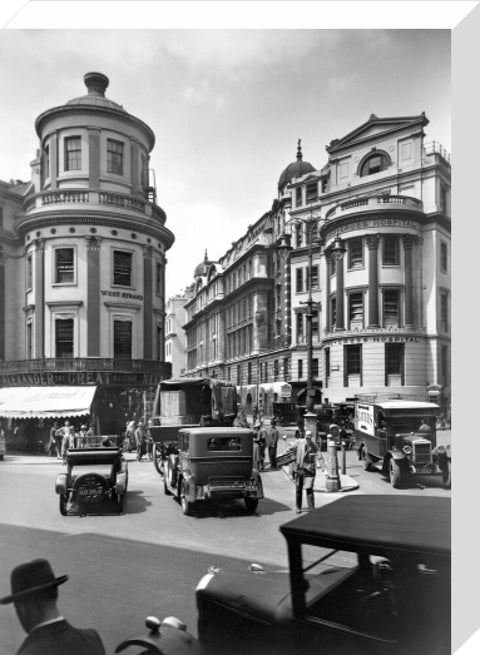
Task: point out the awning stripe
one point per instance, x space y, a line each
45 402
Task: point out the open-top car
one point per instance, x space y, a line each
213 464
369 575
93 476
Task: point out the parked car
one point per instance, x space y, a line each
93 475
213 464
368 575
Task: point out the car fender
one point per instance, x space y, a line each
61 483
257 479
121 483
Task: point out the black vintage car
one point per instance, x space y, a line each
93 476
369 575
213 464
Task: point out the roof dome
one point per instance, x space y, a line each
295 169
96 84
202 268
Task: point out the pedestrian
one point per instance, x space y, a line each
271 442
52 442
68 441
257 450
262 441
149 436
306 462
34 595
82 437
130 442
333 433
424 427
141 440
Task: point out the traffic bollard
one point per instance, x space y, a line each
332 477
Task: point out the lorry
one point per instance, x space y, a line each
399 435
187 403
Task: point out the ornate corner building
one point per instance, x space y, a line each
82 297
379 316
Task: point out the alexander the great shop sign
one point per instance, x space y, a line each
107 378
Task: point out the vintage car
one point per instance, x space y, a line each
213 464
369 575
93 476
167 637
399 436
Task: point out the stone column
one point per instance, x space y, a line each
147 303
93 296
340 322
94 157
328 317
39 298
408 241
372 243
54 164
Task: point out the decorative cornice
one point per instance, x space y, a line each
122 305
65 303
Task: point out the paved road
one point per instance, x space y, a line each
149 559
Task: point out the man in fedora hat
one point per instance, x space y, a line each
34 594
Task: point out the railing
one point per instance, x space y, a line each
93 197
433 147
81 364
371 201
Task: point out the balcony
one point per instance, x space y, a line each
91 199
433 149
375 204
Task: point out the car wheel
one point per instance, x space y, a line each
120 499
367 462
396 477
63 504
447 477
166 490
157 459
187 506
251 504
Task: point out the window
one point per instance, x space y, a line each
299 327
285 368
444 365
315 368
64 337
333 266
64 266
443 198
391 251
444 312
298 196
298 235
114 157
29 340
374 164
355 253
160 343
249 373
122 268
46 162
391 308
353 362
73 153
122 339
326 353
29 276
443 257
314 277
355 310
299 280
159 279
394 359
312 192
239 375
275 369
300 369
315 332
333 313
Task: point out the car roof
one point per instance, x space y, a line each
378 523
83 456
402 404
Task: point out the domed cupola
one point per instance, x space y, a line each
97 84
202 268
295 169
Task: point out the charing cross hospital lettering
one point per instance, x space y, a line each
377 222
390 339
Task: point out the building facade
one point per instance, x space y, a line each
375 321
84 266
175 344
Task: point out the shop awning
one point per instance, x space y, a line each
45 402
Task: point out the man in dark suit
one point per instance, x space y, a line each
34 594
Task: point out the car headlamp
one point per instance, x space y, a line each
407 450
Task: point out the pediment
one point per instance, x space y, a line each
374 127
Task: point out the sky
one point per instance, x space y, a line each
226 106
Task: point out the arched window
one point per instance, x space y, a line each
374 163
